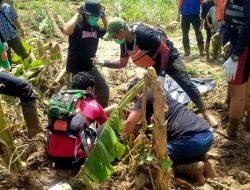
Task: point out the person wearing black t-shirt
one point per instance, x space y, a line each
149 46
189 137
84 34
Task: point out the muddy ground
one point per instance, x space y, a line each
230 158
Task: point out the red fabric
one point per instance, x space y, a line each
241 73
164 51
93 110
60 125
63 146
141 58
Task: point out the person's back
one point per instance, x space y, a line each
190 7
189 136
78 137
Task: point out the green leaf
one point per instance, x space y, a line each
97 166
166 164
37 63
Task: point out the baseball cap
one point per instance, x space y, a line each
92 8
114 25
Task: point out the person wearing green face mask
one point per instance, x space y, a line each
84 34
148 46
93 20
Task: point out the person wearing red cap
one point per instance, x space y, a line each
84 34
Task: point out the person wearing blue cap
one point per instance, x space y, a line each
84 33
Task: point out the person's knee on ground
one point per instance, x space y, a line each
193 171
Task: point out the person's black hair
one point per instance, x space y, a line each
132 84
82 80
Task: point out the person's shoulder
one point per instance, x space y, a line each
7 6
93 103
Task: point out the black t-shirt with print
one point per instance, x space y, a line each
182 123
83 45
148 40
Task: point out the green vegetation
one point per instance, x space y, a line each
155 12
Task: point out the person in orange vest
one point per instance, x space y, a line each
237 66
149 46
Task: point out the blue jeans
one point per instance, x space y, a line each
14 86
187 150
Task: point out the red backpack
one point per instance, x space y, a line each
73 137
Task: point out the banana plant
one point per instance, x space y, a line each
10 155
97 166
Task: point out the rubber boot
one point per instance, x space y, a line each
201 50
207 51
209 171
215 44
246 121
31 118
232 127
187 51
193 171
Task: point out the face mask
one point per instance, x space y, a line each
93 20
119 41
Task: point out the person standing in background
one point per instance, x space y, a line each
9 24
84 34
190 11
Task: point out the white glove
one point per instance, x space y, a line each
5 45
230 68
97 61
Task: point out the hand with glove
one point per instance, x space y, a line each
98 61
230 68
5 45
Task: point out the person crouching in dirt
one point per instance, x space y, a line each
237 66
149 46
189 136
84 34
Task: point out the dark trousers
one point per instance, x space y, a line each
178 72
17 46
13 86
101 87
209 35
185 26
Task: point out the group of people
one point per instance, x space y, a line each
189 136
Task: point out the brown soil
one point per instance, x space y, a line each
230 158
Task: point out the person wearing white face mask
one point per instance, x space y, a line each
237 66
84 34
149 46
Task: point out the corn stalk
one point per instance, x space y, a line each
160 130
10 155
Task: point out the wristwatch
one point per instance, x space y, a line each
235 58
